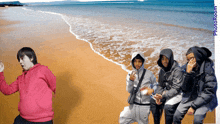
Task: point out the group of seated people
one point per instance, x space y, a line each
188 89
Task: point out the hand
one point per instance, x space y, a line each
158 102
1 66
132 76
149 90
190 111
191 64
158 97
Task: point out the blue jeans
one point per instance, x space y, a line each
20 120
182 109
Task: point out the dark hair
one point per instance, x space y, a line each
189 51
138 57
29 52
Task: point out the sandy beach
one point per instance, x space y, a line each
90 89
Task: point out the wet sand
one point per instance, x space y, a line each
90 89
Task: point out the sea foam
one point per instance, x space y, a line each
115 39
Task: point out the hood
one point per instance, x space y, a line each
135 54
169 54
201 54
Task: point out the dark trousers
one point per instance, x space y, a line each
20 120
156 110
169 113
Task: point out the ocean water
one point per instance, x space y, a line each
115 30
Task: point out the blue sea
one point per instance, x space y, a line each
116 29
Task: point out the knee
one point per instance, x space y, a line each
198 119
121 120
177 117
169 110
153 103
167 107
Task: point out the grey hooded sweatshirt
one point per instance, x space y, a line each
149 80
170 78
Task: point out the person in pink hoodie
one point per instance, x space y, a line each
35 86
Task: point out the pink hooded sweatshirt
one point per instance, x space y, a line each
35 87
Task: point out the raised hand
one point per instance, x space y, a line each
191 64
132 76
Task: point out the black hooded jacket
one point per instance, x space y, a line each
170 78
200 85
